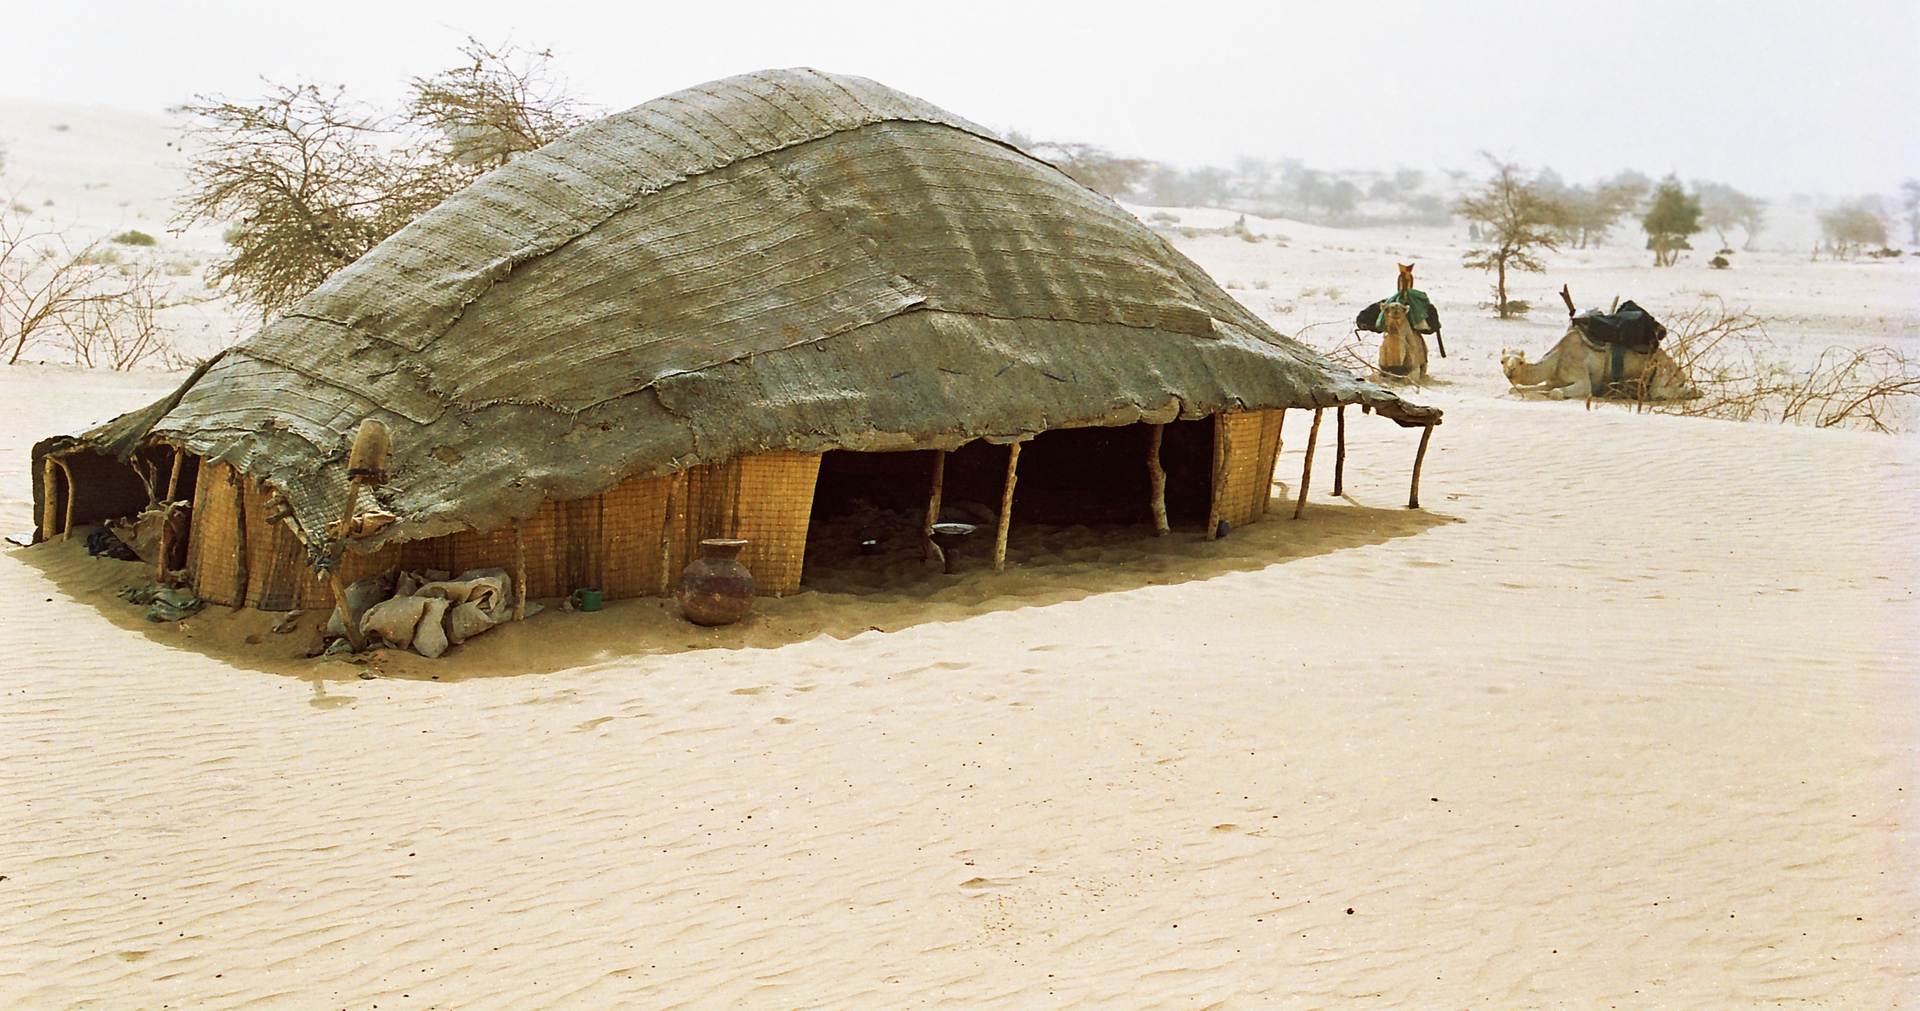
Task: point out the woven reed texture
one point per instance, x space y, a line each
1253 443
611 542
763 499
1270 425
212 546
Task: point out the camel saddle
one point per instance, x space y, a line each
1421 314
1628 328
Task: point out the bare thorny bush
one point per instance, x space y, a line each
1742 374
83 304
307 180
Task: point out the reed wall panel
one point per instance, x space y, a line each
1252 447
622 541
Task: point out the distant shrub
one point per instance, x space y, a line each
96 256
133 238
1719 263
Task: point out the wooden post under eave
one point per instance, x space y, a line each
1219 476
1306 468
1006 508
49 504
173 480
166 517
1340 450
240 574
519 571
1157 483
1413 496
73 494
930 551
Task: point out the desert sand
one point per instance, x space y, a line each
1626 716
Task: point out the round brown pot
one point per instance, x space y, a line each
716 589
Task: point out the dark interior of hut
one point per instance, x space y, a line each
868 507
89 487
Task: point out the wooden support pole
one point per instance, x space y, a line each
1219 482
519 571
930 551
73 494
346 518
50 498
1006 508
1306 468
240 573
1413 496
173 480
1340 450
166 518
1157 482
341 608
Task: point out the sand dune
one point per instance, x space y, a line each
1656 672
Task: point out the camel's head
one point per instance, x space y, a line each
1393 316
1406 276
1511 360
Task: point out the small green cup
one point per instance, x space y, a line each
587 600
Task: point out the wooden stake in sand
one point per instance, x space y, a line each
930 551
1306 468
1219 483
1006 508
519 571
1157 482
1413 496
1340 450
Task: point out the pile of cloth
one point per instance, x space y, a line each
163 603
429 611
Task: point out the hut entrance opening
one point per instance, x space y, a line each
869 508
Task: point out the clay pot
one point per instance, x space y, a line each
716 589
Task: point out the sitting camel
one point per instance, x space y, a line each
1403 351
1576 369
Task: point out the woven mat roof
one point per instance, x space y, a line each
781 260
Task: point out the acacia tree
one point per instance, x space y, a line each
1673 217
1723 208
1096 168
1518 218
505 103
308 181
1853 227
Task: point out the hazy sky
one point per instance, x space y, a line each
1773 97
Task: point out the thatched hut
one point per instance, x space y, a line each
709 316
